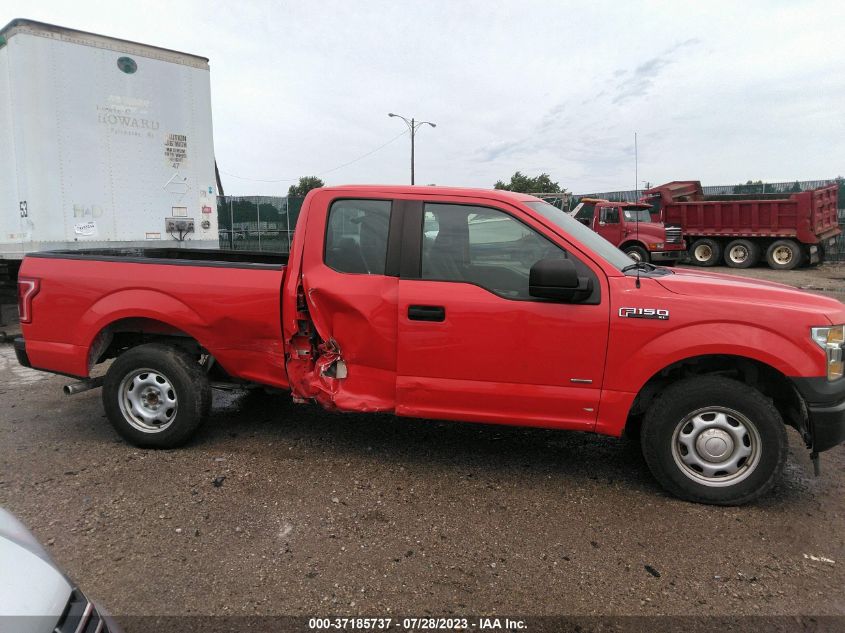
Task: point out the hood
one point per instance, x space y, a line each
699 283
656 229
33 593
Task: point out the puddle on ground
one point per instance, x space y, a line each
13 373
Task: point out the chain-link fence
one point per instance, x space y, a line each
835 253
257 223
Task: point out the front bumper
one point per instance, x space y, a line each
20 352
826 410
667 256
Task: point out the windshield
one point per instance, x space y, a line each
637 215
582 234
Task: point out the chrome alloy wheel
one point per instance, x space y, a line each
148 400
716 446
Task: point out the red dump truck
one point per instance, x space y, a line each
788 229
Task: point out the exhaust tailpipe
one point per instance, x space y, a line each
83 385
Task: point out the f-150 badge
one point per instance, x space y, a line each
644 313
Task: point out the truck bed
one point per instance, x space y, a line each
228 302
808 216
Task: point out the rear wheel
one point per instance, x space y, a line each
705 252
784 255
155 396
742 254
637 253
714 440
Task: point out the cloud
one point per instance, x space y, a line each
643 76
576 116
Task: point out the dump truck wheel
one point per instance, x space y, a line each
705 252
742 254
784 255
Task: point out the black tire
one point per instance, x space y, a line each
705 252
185 386
742 254
784 255
745 412
638 253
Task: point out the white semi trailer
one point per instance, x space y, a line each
103 143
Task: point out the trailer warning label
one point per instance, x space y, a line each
176 149
85 229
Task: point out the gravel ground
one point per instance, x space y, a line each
278 508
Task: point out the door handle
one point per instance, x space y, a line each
426 313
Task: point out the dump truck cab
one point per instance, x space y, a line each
631 227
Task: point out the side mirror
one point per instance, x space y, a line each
556 278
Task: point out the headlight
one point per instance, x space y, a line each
831 340
655 246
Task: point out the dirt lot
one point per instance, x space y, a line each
279 508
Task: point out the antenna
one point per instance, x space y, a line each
636 211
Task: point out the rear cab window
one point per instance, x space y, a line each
356 236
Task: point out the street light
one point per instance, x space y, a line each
413 126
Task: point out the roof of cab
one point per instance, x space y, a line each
499 194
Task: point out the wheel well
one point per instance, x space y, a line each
124 334
625 245
711 238
766 379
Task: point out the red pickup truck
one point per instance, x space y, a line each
454 304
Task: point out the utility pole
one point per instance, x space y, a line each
413 126
636 166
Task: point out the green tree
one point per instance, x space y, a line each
795 188
525 184
751 186
306 184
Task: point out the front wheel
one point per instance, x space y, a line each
637 253
155 396
710 439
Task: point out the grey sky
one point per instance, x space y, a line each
721 92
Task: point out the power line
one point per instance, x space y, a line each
323 173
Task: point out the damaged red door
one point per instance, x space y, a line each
473 345
344 352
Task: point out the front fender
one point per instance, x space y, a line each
632 361
629 369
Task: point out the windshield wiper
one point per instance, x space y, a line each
639 266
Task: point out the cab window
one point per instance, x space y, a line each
609 215
481 246
586 213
